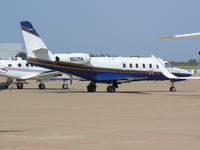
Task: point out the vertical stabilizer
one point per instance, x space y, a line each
36 48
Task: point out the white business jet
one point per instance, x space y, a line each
110 70
21 70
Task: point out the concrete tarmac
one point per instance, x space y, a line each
140 115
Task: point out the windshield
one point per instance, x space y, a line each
168 65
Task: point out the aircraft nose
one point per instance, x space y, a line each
186 72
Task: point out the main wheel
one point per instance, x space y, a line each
20 85
111 89
65 86
41 86
172 89
91 88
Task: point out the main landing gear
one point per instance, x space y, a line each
91 87
172 88
41 86
111 88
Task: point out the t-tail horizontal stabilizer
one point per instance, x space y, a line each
35 46
168 74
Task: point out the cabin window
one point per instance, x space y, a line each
136 65
143 65
150 65
124 65
19 65
27 64
157 66
9 65
131 65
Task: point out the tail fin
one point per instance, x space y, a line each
36 48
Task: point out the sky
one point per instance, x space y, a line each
117 27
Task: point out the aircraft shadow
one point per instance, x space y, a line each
71 90
97 92
10 131
57 90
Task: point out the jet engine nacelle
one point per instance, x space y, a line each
76 58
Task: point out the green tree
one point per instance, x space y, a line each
192 62
22 55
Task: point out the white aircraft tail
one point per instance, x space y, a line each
36 48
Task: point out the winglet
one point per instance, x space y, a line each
164 71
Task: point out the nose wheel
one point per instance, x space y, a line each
20 85
41 86
172 88
65 86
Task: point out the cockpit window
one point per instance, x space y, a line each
168 65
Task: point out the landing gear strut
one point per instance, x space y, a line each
172 88
112 88
41 86
91 87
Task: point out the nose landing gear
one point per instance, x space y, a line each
65 86
41 86
172 88
19 85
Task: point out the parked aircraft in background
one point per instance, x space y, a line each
179 36
21 70
110 70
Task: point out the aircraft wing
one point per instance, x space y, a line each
52 75
168 74
179 36
43 74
